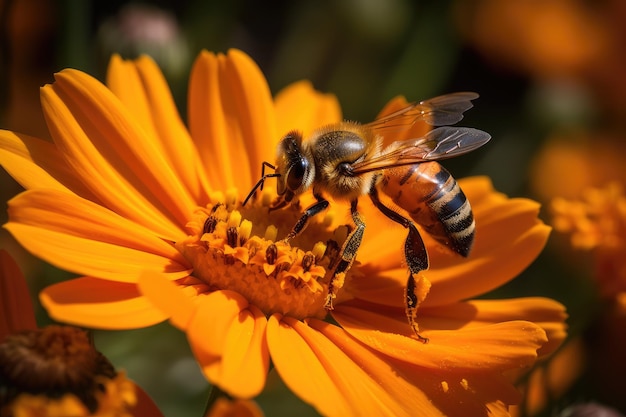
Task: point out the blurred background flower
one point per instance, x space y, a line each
552 80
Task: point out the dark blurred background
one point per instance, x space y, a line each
547 71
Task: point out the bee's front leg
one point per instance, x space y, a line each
316 208
348 253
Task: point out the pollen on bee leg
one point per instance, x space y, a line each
337 283
417 288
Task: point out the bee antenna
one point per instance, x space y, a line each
259 184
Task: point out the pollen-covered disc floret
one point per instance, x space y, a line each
272 274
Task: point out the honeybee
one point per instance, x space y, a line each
346 161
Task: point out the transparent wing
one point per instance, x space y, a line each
440 143
438 111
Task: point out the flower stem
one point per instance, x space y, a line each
214 395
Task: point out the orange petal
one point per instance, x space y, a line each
36 163
243 368
548 314
15 303
140 85
231 118
227 337
167 297
509 237
112 155
300 107
427 391
495 347
254 105
234 408
322 374
340 376
98 303
78 235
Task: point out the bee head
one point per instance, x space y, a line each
293 166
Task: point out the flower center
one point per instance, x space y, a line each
52 361
236 248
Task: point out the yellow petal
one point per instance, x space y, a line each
15 303
80 236
299 107
140 85
231 118
98 303
112 155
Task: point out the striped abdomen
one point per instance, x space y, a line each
434 200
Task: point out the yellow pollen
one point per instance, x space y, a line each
227 252
444 386
271 232
319 250
464 384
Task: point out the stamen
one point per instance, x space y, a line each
307 261
232 236
209 224
318 251
271 232
245 228
271 254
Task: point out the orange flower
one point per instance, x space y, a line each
597 222
56 371
235 408
152 213
545 39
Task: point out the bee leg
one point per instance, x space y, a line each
348 253
416 259
303 221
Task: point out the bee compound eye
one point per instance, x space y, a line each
297 171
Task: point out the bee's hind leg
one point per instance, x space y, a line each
416 259
348 253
